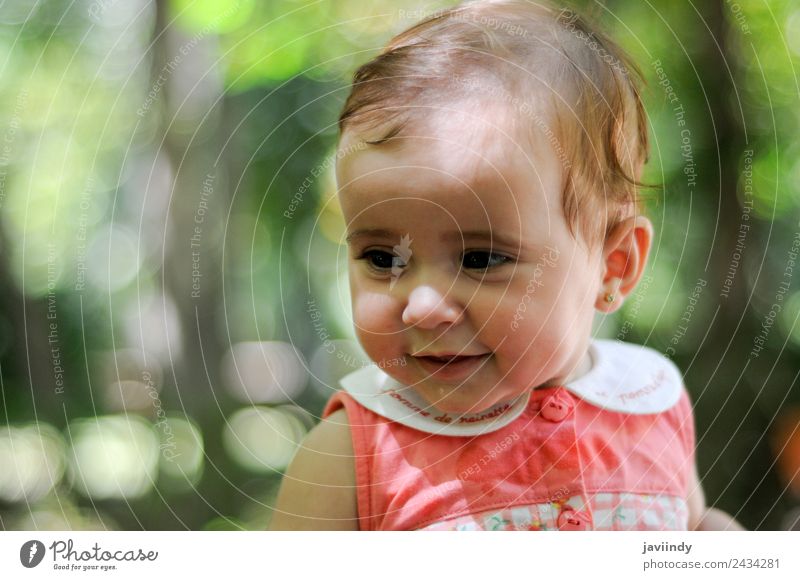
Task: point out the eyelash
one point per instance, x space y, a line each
367 254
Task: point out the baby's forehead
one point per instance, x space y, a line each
454 172
469 141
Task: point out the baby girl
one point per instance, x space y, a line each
488 170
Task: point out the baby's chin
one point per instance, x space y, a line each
450 399
466 397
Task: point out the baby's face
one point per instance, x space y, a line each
458 245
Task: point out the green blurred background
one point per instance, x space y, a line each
175 305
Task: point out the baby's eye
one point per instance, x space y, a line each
380 260
481 260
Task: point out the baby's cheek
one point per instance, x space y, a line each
374 312
512 325
524 326
520 306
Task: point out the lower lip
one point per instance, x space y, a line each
458 369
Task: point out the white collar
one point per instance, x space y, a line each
624 377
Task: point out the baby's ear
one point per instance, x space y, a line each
625 254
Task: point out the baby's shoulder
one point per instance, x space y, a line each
318 491
330 443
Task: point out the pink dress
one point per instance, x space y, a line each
613 450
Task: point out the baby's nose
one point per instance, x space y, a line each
428 308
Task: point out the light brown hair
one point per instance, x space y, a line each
569 80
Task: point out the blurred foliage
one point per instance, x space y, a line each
172 277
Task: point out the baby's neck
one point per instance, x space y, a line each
583 366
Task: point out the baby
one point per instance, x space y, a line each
488 166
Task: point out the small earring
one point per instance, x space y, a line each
609 297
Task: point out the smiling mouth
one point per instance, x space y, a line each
451 366
445 360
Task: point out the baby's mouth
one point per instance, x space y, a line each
447 359
451 365
447 356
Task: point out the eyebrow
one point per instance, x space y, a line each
481 235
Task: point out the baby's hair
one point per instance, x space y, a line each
521 51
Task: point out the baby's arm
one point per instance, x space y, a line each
318 491
703 518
